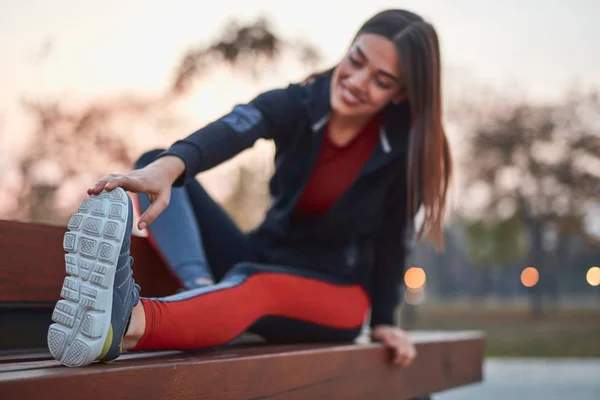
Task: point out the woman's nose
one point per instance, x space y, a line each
358 81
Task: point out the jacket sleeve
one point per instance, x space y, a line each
270 115
392 249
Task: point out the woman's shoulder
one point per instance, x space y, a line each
281 105
296 100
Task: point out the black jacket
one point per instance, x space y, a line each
364 238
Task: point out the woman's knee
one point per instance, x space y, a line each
147 158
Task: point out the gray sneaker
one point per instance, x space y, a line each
99 292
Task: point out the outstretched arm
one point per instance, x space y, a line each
271 115
393 246
392 249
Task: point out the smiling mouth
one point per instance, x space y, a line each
349 98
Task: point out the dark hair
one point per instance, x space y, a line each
429 160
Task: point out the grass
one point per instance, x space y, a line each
514 332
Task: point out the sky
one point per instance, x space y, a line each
88 48
79 52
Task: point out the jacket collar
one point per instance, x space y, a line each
393 132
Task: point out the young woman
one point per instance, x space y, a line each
359 149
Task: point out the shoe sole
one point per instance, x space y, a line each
92 242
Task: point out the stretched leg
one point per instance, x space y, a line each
285 330
224 243
276 300
102 313
194 235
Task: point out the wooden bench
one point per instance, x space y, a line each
32 269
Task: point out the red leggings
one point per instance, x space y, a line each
281 304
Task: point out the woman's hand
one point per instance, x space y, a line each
156 180
398 341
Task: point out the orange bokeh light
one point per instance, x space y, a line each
415 278
530 277
593 276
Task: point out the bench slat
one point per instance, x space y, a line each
32 267
261 372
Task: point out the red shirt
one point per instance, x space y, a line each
336 169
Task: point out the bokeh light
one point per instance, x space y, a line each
530 277
593 276
415 278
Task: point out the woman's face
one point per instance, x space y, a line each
367 78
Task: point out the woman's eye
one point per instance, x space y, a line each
354 61
383 85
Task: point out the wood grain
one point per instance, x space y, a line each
32 267
260 372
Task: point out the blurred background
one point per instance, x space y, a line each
87 87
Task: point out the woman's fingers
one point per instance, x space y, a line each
129 182
399 351
99 186
402 357
405 352
391 341
150 182
157 206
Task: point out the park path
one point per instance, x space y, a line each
532 379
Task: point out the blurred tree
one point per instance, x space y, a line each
538 165
67 142
493 244
254 48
